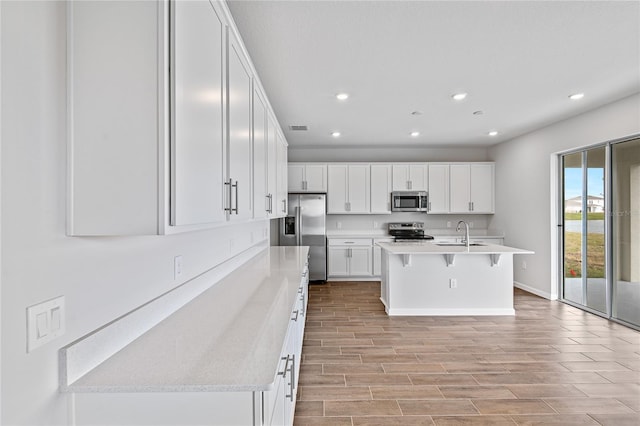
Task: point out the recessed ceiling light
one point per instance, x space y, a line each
493 133
477 112
459 96
416 112
335 134
415 134
342 96
576 96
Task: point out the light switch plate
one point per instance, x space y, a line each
45 322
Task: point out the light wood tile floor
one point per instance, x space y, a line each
550 364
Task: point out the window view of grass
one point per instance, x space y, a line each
573 250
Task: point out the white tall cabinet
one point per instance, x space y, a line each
160 119
381 187
348 188
438 188
472 188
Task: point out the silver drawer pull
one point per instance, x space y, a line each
297 312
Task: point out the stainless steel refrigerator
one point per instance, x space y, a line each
305 225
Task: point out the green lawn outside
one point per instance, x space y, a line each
578 216
573 250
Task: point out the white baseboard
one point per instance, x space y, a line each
451 312
535 291
353 278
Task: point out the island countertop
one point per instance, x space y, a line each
427 247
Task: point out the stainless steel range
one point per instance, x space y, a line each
408 231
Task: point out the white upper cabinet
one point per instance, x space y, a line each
410 177
197 138
348 188
272 167
438 188
381 188
239 118
261 201
280 208
472 188
307 177
160 120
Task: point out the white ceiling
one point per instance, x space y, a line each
517 60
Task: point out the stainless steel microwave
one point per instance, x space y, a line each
409 201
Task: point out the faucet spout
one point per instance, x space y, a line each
466 231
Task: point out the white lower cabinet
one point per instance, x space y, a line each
350 257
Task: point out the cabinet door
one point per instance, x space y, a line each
282 207
337 195
401 177
295 177
272 167
459 175
380 188
438 188
197 139
338 261
360 261
482 188
239 111
359 179
316 177
418 177
260 200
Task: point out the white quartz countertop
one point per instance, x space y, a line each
427 247
227 339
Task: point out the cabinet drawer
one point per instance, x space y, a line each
349 241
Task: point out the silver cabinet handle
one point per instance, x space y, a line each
429 206
292 370
269 203
297 313
284 206
469 206
472 206
409 184
228 209
236 187
283 373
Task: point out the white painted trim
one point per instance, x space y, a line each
554 249
1 209
450 312
533 290
87 352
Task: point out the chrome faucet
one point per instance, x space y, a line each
466 233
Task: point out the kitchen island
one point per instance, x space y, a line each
426 278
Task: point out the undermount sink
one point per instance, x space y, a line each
458 244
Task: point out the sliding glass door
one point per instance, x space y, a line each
584 229
600 251
625 209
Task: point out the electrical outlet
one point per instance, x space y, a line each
177 267
453 283
45 322
339 225
470 224
448 224
375 224
524 264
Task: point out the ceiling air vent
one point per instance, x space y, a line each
299 128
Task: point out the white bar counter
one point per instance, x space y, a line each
425 278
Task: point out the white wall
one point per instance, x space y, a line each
524 183
102 278
401 153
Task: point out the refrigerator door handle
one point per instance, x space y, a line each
298 226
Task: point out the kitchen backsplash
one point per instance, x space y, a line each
432 222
